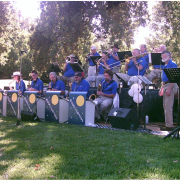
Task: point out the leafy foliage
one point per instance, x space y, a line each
71 27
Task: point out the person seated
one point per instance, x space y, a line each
68 76
55 84
36 84
80 84
106 94
137 63
20 85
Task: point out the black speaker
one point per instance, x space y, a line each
29 116
123 118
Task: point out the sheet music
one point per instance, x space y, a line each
144 79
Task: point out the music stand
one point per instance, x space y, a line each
95 59
146 83
173 75
76 67
122 55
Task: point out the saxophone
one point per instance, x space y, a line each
94 96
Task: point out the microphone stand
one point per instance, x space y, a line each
18 120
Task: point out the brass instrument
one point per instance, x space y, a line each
70 89
92 97
99 88
127 59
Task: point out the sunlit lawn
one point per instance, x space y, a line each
56 151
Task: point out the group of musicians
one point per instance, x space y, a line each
104 73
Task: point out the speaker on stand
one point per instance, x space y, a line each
123 118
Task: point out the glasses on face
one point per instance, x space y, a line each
33 75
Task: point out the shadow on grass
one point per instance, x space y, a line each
50 150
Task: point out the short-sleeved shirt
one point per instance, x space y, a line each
69 72
90 60
101 69
147 59
83 86
109 88
114 61
59 85
22 86
38 85
133 71
170 64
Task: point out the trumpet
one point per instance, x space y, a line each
127 59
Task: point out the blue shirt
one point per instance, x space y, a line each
147 59
114 61
69 72
109 88
83 86
59 85
38 85
133 71
22 86
90 60
170 64
101 69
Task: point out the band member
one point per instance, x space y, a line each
143 49
68 76
55 84
157 71
20 85
115 58
102 64
137 63
80 84
167 91
36 84
106 95
92 66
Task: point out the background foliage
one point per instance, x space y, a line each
67 27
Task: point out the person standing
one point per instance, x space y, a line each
92 67
168 91
143 50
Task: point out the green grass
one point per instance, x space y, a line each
66 151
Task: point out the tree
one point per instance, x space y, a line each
71 27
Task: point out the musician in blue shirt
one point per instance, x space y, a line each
168 91
20 85
36 84
80 84
132 67
68 76
106 95
55 84
92 66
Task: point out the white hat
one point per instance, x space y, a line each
93 47
72 55
17 73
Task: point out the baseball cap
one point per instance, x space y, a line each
17 73
78 74
93 47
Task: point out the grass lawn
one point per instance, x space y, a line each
61 151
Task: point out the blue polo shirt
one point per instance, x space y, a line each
109 88
83 86
59 85
133 71
114 61
147 59
101 69
90 60
22 86
69 72
38 85
170 64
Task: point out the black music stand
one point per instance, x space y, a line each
173 75
122 55
95 59
76 67
146 83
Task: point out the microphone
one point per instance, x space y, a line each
139 62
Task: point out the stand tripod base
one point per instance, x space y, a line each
175 132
